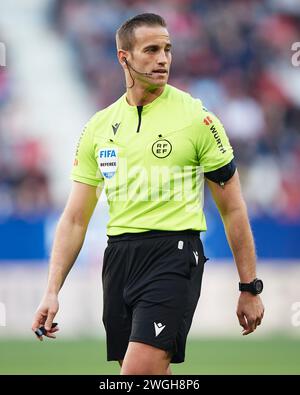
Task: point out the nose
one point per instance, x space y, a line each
162 58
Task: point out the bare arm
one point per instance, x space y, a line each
233 211
234 215
69 237
70 234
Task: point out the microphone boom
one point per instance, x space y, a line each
138 72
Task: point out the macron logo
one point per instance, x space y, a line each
158 328
115 127
196 256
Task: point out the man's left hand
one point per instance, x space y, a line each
250 312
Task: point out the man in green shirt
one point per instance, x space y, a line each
151 151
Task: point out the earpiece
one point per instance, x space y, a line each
130 67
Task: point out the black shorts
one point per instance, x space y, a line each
151 287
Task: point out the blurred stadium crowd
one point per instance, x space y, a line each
231 54
24 189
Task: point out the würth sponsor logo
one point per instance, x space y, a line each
217 138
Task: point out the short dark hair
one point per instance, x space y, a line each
125 34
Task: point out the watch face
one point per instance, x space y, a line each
258 286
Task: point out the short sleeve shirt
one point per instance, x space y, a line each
151 160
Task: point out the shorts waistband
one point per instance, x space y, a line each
152 233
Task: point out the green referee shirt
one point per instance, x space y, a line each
151 159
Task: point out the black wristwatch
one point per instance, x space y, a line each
255 287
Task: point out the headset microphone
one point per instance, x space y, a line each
125 60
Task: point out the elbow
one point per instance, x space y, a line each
77 219
234 208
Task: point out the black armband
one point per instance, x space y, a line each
223 174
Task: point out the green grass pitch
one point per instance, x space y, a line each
275 355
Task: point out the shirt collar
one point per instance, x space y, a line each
149 106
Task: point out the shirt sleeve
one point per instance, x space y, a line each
213 146
85 167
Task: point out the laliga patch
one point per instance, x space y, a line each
108 161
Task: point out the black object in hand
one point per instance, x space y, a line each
42 331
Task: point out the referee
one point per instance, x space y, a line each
151 150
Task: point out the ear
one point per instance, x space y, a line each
122 56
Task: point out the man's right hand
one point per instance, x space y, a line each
45 314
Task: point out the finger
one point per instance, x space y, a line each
41 331
249 330
53 330
39 320
255 324
258 321
242 320
48 323
50 335
39 337
251 327
37 323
